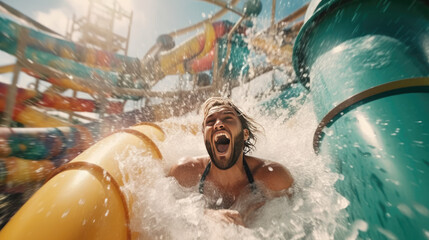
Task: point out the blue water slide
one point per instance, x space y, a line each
367 65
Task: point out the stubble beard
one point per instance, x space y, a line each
237 148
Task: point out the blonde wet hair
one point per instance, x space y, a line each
246 121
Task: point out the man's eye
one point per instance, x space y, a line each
210 122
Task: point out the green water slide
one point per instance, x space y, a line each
367 65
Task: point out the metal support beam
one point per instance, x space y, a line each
273 13
11 96
12 91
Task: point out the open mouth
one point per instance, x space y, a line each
222 142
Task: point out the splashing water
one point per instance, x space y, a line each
162 209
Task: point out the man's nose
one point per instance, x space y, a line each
218 125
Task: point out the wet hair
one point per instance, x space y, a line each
246 121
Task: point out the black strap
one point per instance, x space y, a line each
246 169
203 178
249 175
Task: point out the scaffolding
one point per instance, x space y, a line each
96 29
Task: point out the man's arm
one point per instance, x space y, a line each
276 178
187 172
276 181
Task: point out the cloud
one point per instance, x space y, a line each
78 7
55 19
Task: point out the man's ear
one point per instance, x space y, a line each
246 134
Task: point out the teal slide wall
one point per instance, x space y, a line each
378 53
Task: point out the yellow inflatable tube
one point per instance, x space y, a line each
173 62
84 200
210 39
185 51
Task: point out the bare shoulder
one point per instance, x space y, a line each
189 170
273 175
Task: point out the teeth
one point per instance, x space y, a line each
217 135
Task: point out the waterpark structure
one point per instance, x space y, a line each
365 64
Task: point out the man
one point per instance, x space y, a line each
234 183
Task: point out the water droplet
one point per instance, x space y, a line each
65 214
270 169
81 201
387 233
404 209
219 201
426 232
329 132
421 209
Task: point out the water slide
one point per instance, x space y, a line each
61 82
38 50
32 117
44 143
29 155
18 174
99 210
172 62
69 63
366 63
53 100
47 47
40 47
65 64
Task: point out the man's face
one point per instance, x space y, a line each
223 136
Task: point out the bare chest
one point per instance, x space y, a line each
225 197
